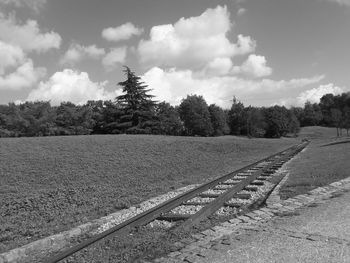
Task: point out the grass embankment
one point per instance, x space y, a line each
320 164
50 184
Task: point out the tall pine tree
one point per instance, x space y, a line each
137 105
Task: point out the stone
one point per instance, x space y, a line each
192 259
235 221
245 219
174 254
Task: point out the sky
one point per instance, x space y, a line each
263 52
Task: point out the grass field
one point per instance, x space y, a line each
51 184
318 165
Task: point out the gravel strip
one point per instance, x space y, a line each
161 224
121 216
212 191
262 190
227 210
223 187
186 209
232 181
238 177
201 199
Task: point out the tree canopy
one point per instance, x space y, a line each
134 111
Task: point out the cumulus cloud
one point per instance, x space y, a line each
255 66
70 85
28 36
115 57
16 69
24 76
122 32
77 52
10 56
218 67
35 5
193 42
173 85
314 95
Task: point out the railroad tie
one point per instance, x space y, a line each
242 196
173 217
257 183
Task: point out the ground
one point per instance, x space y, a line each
320 164
51 184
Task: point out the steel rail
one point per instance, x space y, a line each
213 206
153 213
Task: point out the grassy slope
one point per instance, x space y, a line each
51 184
317 166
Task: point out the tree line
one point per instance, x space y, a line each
331 111
135 112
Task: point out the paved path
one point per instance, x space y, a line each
308 228
317 234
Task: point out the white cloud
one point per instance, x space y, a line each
10 56
70 85
16 69
28 36
193 42
25 76
122 32
218 67
314 95
36 5
241 11
77 52
115 57
173 85
255 66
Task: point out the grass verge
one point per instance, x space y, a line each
318 165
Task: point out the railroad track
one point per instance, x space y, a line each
194 206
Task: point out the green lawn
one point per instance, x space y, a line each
318 165
51 184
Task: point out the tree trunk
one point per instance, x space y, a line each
337 131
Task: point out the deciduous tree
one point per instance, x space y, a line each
195 115
218 120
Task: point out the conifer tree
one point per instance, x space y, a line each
137 105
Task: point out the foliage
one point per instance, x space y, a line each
256 124
335 111
169 119
346 119
236 118
74 120
218 120
277 121
195 115
137 105
312 114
